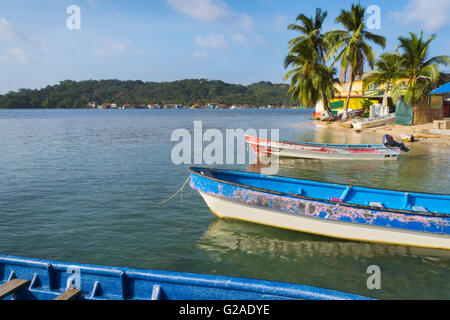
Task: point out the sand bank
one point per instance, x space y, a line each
420 132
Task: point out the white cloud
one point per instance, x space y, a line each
110 46
430 15
9 33
244 22
280 22
199 54
238 38
211 11
212 40
15 55
206 10
260 40
93 3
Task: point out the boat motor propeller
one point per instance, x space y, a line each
389 141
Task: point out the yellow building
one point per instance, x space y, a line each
358 95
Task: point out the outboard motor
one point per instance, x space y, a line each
389 141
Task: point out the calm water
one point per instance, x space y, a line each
83 186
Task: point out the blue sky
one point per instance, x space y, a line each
235 41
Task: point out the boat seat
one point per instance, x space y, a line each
70 294
12 286
419 209
377 204
298 191
157 292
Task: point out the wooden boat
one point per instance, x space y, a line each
353 113
36 279
374 122
285 148
333 210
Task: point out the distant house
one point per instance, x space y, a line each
154 106
104 106
113 106
126 106
443 93
221 106
195 106
92 104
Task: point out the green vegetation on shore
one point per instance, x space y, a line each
313 55
72 94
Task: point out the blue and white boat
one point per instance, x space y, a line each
333 210
36 279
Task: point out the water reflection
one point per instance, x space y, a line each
224 236
412 172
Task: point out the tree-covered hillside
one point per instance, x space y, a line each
72 94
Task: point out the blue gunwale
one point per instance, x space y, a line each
48 279
344 191
356 146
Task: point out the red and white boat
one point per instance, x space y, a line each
292 149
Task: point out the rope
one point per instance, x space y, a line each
179 190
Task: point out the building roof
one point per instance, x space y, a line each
445 89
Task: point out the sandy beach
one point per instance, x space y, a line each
420 132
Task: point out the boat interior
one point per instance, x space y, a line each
364 146
379 198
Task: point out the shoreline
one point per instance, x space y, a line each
421 132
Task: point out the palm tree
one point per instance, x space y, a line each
388 72
311 79
310 29
350 45
417 67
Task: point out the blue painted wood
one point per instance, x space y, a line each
392 199
323 200
345 193
445 89
118 283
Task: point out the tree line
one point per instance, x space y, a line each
73 94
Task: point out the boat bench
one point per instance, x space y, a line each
12 286
15 285
70 294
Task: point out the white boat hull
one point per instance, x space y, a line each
298 150
224 208
290 153
370 123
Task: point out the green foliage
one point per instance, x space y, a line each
421 70
366 104
72 94
311 79
351 46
